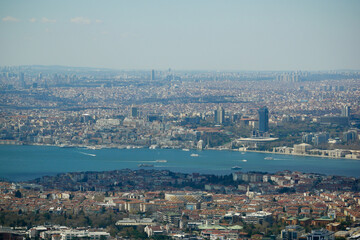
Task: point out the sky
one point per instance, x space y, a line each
236 35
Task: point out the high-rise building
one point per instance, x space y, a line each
153 74
22 80
321 138
263 119
349 136
219 115
345 112
307 138
134 112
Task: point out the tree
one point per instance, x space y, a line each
161 237
18 194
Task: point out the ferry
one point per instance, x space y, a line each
145 165
88 154
269 158
65 146
161 161
194 155
236 168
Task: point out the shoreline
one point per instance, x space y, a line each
302 155
98 147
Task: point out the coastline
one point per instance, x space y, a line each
97 147
302 155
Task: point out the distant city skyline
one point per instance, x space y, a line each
184 35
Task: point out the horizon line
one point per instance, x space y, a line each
178 70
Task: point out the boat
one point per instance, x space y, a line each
269 158
242 153
186 149
161 161
194 155
65 146
236 168
145 165
88 154
244 160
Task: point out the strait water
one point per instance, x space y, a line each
19 163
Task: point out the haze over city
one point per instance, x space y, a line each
183 35
181 120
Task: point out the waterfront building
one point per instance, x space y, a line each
247 177
200 145
302 148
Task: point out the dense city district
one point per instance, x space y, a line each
314 113
129 204
289 112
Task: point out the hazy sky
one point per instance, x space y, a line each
182 34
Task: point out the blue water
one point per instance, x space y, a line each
19 163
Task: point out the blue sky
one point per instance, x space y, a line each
183 34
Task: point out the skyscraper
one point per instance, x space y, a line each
263 119
153 74
345 112
219 115
22 80
134 112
